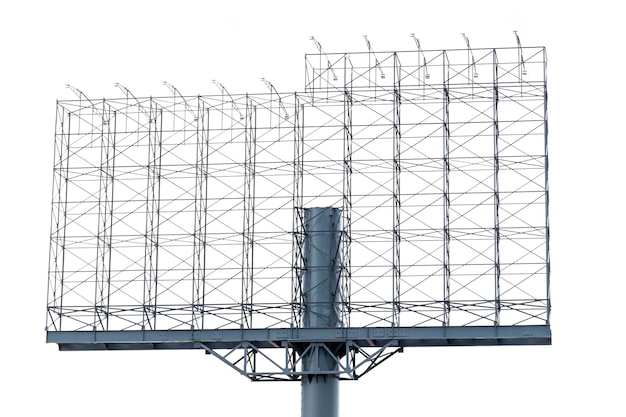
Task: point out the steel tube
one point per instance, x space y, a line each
321 294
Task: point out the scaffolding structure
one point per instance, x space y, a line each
178 221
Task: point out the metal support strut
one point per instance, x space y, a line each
322 308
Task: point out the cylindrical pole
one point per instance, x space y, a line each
321 293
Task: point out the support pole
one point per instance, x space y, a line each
321 294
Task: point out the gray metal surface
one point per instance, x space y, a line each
322 281
321 303
279 353
278 338
320 396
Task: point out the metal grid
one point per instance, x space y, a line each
186 213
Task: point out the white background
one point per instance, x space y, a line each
92 45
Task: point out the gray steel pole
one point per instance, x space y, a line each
321 293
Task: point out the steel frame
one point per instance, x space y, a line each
183 215
356 350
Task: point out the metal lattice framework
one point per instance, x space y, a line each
177 221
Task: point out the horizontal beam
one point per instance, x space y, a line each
288 337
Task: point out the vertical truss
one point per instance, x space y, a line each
496 192
446 191
58 227
397 152
247 279
346 211
105 217
545 183
201 199
297 216
153 217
